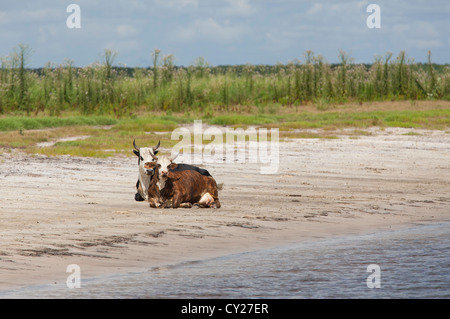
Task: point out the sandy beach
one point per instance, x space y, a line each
59 211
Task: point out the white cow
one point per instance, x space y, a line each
145 155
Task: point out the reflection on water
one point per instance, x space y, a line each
414 263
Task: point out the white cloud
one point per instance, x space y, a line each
238 7
124 30
177 3
422 35
401 30
425 44
44 15
426 29
4 17
211 30
315 8
48 33
362 4
123 47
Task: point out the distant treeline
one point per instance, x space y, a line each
103 88
263 69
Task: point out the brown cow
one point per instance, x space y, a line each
191 187
182 189
153 191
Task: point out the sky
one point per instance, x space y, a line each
223 32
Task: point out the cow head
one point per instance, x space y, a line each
164 164
146 155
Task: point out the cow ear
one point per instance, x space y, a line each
172 166
155 152
136 152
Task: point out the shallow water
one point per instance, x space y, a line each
414 263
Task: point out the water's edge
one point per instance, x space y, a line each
405 263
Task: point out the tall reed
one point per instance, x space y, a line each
105 88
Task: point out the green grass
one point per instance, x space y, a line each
33 123
230 120
430 119
148 124
108 136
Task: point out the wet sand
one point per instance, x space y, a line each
65 210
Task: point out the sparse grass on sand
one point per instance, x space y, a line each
104 136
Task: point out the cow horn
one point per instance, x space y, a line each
172 158
134 144
157 146
152 154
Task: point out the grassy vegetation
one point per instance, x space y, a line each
31 123
109 106
105 89
107 136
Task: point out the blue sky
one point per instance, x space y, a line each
224 31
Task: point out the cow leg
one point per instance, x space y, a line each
138 197
154 203
166 204
185 205
176 201
216 198
206 200
212 198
